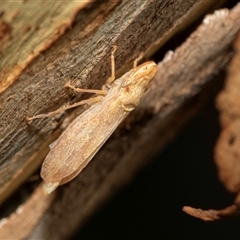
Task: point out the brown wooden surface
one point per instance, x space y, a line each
27 29
83 54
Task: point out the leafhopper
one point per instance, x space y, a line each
82 139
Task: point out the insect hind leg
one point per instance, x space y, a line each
66 107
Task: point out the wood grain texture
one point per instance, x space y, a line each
81 55
27 29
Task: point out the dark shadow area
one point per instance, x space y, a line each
183 174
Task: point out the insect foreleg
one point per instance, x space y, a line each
82 90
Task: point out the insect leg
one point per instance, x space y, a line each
50 114
135 62
112 78
82 90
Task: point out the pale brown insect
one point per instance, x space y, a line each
77 145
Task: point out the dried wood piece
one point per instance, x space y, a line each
211 214
27 29
37 204
227 151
